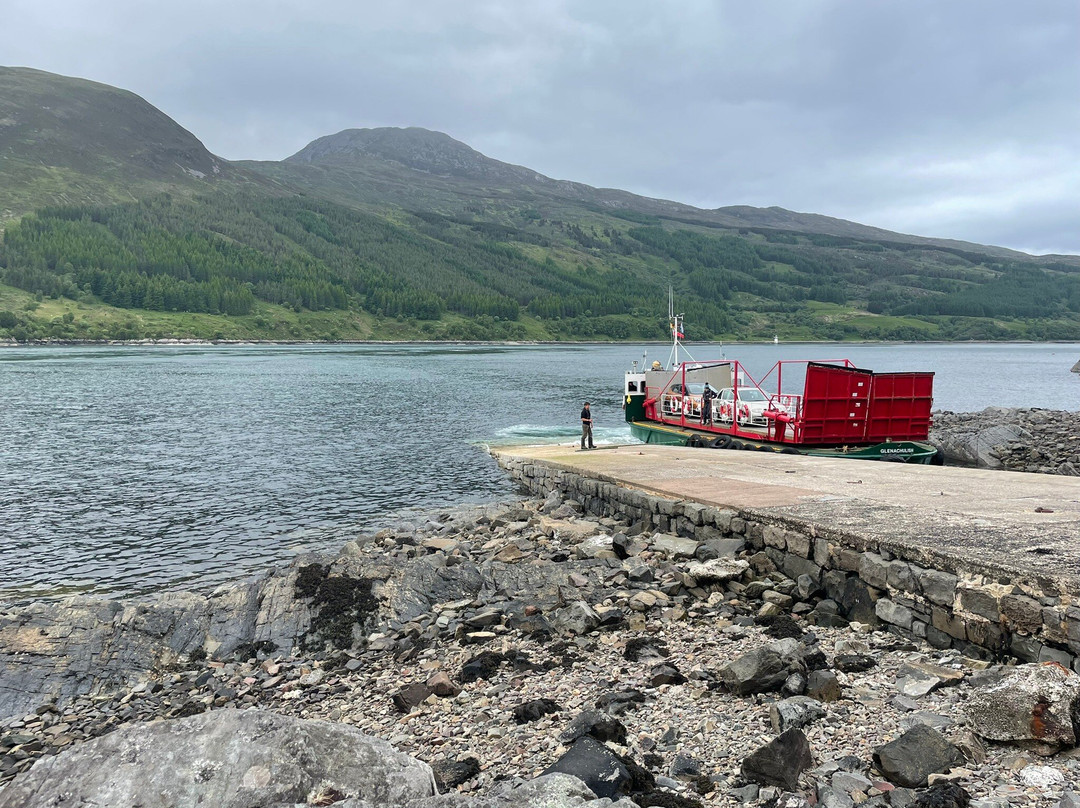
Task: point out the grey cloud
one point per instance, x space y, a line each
949 119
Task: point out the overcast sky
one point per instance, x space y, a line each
950 118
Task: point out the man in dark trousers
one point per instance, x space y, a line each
586 426
706 405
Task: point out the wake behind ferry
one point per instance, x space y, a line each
839 411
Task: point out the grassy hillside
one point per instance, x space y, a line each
138 231
71 141
250 265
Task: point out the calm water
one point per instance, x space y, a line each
128 469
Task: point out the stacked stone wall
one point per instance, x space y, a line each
947 602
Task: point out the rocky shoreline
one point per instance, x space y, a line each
505 643
1024 439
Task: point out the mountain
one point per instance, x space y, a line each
407 233
416 167
72 141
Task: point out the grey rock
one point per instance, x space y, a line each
720 548
781 761
675 546
598 546
227 758
765 668
902 797
452 773
823 686
578 618
598 725
81 646
857 601
747 793
717 570
1032 704
794 713
829 797
848 782
915 755
928 719
548 791
596 766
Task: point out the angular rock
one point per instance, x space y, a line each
639 648
916 679
410 696
717 570
452 773
921 751
226 758
578 618
943 795
534 710
765 668
675 546
442 686
823 686
665 674
548 791
780 762
596 766
598 725
854 663
1034 705
595 547
794 713
482 666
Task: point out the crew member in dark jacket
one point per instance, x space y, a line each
706 404
586 426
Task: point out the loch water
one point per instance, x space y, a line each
126 470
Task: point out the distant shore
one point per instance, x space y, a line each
173 341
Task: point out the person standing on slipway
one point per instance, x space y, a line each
586 426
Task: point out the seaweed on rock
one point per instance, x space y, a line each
339 604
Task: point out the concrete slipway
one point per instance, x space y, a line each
1008 526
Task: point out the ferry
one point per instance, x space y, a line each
839 410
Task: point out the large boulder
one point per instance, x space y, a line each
225 758
765 668
596 766
980 439
1037 706
910 759
780 762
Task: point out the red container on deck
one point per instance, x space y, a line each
847 405
900 405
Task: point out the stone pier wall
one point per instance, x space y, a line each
945 602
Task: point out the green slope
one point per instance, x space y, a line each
71 141
398 234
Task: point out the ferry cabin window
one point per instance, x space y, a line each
631 387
